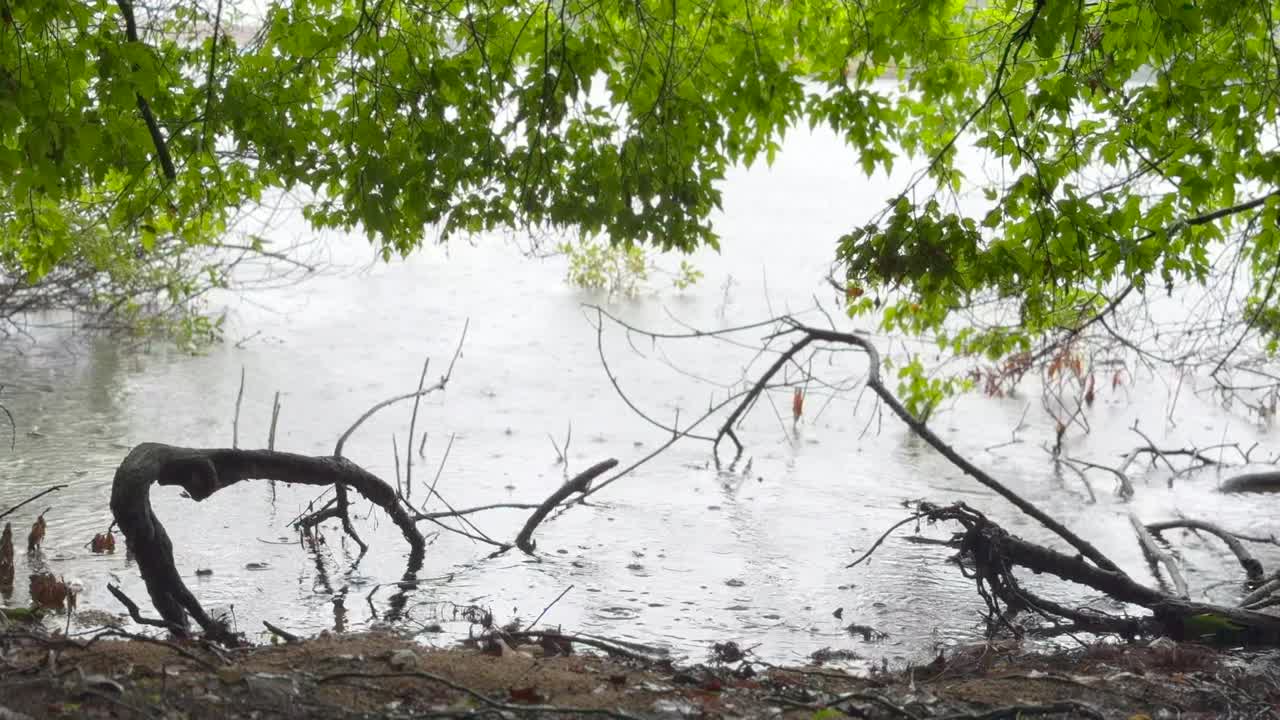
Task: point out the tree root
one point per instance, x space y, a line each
202 472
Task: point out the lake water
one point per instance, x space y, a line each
676 554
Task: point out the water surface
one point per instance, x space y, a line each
677 554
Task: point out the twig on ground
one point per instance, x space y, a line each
1062 707
476 695
632 651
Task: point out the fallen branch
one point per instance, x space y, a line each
997 552
580 483
202 472
283 634
1157 557
1252 568
617 648
1261 593
1252 482
136 613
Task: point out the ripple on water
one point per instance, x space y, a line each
786 539
616 612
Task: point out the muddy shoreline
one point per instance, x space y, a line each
387 675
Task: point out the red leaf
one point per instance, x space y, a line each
37 534
527 695
104 543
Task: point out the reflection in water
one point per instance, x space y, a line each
813 496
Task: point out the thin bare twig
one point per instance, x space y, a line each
275 418
33 498
413 420
547 608
13 426
283 634
438 385
235 420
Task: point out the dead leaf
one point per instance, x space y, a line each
36 537
6 560
104 543
50 592
6 549
527 695
797 404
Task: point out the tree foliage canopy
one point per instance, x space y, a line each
1134 138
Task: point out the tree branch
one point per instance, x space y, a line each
153 127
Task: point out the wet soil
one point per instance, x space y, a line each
385 675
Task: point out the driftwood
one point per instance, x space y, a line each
202 472
1252 482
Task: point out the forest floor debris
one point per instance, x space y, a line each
384 675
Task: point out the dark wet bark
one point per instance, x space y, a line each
580 483
202 472
1253 482
1174 614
